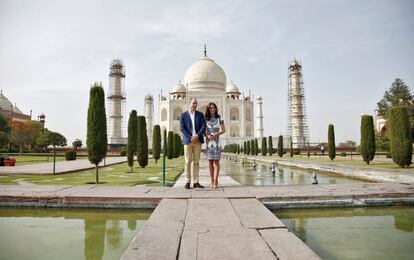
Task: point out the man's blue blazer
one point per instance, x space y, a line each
186 126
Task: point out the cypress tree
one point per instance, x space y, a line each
256 147
97 140
400 136
132 138
248 147
244 147
156 142
264 146
142 142
291 147
280 146
177 144
170 145
181 148
331 142
252 151
238 149
270 144
165 144
367 138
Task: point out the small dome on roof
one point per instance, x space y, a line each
179 88
232 88
295 63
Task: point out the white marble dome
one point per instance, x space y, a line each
205 75
179 88
232 88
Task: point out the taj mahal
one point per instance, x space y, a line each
207 81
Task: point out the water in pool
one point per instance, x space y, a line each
68 233
361 233
262 175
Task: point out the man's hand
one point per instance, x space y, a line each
194 139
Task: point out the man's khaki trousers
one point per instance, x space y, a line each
192 155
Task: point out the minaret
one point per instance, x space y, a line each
42 119
149 111
297 127
116 102
259 116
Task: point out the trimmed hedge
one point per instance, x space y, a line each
400 136
70 155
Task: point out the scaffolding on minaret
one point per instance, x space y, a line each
297 127
116 104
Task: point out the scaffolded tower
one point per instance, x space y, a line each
149 114
297 124
116 104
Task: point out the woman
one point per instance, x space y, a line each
215 128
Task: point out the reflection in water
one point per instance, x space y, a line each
362 233
48 233
262 175
94 238
114 233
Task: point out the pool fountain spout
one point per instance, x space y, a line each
315 178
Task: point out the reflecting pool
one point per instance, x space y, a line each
361 233
262 175
68 233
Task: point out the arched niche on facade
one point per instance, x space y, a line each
177 113
234 114
249 131
164 114
234 131
248 114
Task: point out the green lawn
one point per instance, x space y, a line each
119 174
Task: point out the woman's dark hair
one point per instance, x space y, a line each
207 115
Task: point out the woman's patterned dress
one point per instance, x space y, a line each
213 147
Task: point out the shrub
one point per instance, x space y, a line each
264 146
331 142
142 142
296 151
280 146
256 147
156 142
132 138
248 147
123 153
343 154
70 155
388 155
96 137
270 144
367 138
170 145
400 136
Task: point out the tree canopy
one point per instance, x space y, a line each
397 95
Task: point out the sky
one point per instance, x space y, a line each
351 52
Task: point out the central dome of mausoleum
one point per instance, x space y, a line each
205 75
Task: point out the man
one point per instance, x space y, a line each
192 126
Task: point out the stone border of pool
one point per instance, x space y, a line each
293 196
